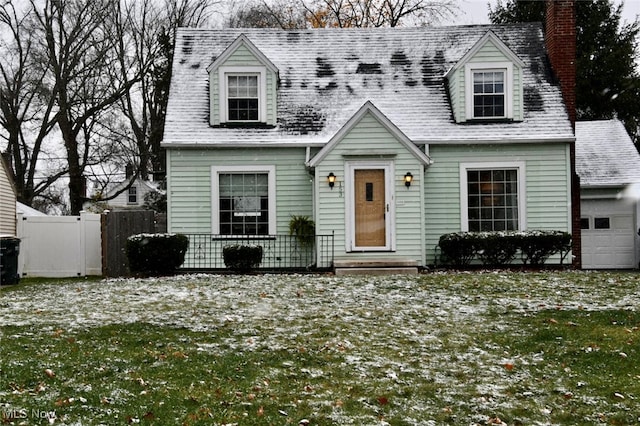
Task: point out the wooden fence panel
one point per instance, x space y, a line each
117 226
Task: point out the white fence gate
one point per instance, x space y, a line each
59 246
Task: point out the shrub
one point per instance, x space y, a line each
496 248
458 248
156 254
500 248
242 258
537 246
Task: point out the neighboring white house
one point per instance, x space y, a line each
133 197
7 201
609 168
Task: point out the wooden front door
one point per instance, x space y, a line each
370 208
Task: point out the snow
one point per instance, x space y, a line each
420 315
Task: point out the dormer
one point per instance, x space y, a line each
243 87
486 84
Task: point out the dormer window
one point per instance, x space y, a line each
243 87
242 95
489 91
489 94
486 83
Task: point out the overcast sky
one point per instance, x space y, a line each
476 11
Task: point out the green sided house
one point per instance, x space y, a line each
385 138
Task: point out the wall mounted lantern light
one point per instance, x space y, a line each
408 178
331 179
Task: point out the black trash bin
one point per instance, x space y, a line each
9 250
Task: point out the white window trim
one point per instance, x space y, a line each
507 68
493 165
261 72
215 192
390 218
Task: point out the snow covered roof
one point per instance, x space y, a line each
327 75
605 154
150 185
28 211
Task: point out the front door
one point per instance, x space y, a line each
370 208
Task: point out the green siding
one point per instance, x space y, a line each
423 212
189 184
368 136
487 53
242 57
547 185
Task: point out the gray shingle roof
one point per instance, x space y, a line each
327 75
605 154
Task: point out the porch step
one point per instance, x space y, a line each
375 267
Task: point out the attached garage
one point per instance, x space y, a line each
609 234
609 168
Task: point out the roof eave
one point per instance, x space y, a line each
499 141
242 144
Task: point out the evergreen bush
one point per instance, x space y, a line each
458 248
500 248
242 258
156 254
496 248
537 246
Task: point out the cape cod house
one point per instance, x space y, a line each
386 138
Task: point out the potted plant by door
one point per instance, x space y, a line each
303 229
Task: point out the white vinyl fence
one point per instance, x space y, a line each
59 246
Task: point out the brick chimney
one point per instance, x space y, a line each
560 38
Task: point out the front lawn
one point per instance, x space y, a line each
444 348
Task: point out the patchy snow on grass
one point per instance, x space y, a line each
395 333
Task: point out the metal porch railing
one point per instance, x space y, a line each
280 252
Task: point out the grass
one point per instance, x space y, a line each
455 348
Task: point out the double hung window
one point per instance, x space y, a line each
489 94
243 97
132 195
489 91
242 94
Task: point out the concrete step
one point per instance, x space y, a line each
377 271
375 266
374 263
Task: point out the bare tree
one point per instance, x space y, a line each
288 14
87 82
146 32
82 62
26 106
284 14
377 13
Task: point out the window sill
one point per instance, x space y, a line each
473 121
244 125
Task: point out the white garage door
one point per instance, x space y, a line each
608 235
